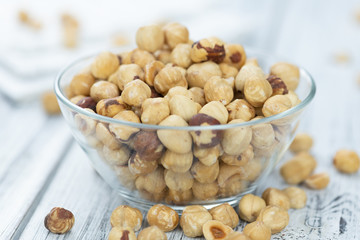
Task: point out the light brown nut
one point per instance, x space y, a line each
175 34
257 231
180 55
227 171
203 173
163 217
104 135
104 65
233 186
122 132
126 216
297 197
154 110
205 191
301 142
140 57
263 136
163 56
216 110
275 105
94 142
192 220
208 156
135 93
276 218
346 161
139 166
121 233
125 74
85 124
198 74
205 138
210 49
59 220
148 145
176 140
294 99
239 160
111 106
235 55
153 182
183 107
153 197
240 109
178 181
289 73
50 103
76 99
236 140
252 170
150 38
225 214
179 197
177 162
276 197
103 89
116 156
198 95
278 85
81 84
169 77
178 90
218 89
150 233
298 168
250 207
125 177
318 181
215 230
237 236
228 71
151 70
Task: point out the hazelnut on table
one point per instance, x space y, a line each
192 220
301 142
150 233
215 230
317 181
50 103
297 197
126 216
250 207
225 214
59 220
163 217
117 233
237 236
276 218
346 161
276 197
257 231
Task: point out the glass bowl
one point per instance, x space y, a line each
159 171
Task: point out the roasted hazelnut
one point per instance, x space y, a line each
178 90
104 65
297 197
150 38
86 102
111 106
276 218
318 181
240 109
257 231
179 197
85 124
298 168
276 197
150 233
275 105
205 138
121 233
175 34
104 135
289 73
81 84
59 220
215 230
169 77
163 217
203 173
148 145
154 110
180 55
178 181
294 99
192 220
153 182
237 236
50 103
218 89
177 162
301 142
210 49
235 55
263 135
125 74
216 110
239 160
227 171
94 142
135 93
122 132
183 107
225 214
116 156
236 140
252 170
151 70
250 207
163 56
198 74
76 99
126 216
138 166
153 197
103 89
125 177
140 57
346 161
278 85
175 140
198 95
233 186
208 156
228 71
205 191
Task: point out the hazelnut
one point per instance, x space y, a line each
122 132
218 89
50 103
178 90
183 107
192 220
237 236
179 197
301 142
76 99
317 181
59 220
250 207
239 160
278 85
138 166
236 140
121 233
289 73
252 169
252 61
240 109
276 218
298 168
153 197
125 177
205 191
233 186
135 93
154 110
163 56
294 99
163 217
208 156
297 197
205 138
104 65
169 77
215 230
178 181
225 214
275 105
148 145
257 231
81 84
227 171
116 156
111 106
126 216
175 33
150 38
175 140
276 197
86 102
263 135
103 89
180 55
85 124
198 95
151 70
104 135
216 110
228 71
203 173
125 74
177 162
150 233
346 161
235 55
140 57
153 182
211 49
198 74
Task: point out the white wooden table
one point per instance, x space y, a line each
43 167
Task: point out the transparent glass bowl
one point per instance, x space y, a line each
206 176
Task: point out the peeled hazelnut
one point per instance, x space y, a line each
227 171
297 197
163 217
215 230
225 214
203 173
86 102
208 156
105 136
111 106
346 161
289 73
140 57
150 38
179 197
125 74
135 93
103 89
211 49
216 110
175 33
148 145
178 90
177 162
294 99
85 124
275 105
151 70
138 166
239 160
163 56
122 233
276 197
276 218
263 135
198 74
318 181
250 207
301 142
178 181
150 233
205 138
154 110
59 220
169 77
180 55
237 236
236 140
240 109
228 71
298 168
198 95
257 231
104 65
235 55
50 103
233 186
205 191
278 85
192 220
76 99
126 216
252 170
122 132
125 177
153 182
218 89
81 84
153 197
183 107
116 156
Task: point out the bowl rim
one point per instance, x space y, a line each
63 99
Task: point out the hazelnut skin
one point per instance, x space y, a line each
59 220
